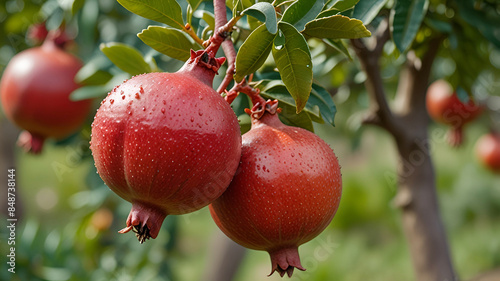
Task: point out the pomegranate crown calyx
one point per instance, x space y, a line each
258 110
206 59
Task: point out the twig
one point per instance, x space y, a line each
225 27
246 89
190 32
380 113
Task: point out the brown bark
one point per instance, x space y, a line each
8 138
408 123
225 258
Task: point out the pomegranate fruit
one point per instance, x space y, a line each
488 151
166 142
35 89
444 106
285 192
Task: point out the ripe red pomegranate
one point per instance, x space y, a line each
285 192
166 142
488 151
35 89
445 107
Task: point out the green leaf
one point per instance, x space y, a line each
293 60
253 23
126 58
290 118
319 107
165 11
484 19
406 19
276 90
194 4
367 10
288 114
322 98
253 52
301 12
336 27
94 72
90 92
169 41
76 6
209 18
265 13
339 45
328 13
237 6
439 25
343 5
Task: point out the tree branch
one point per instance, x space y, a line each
380 114
221 25
416 69
230 52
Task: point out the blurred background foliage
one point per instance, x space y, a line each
70 218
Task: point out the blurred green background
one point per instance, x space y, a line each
68 229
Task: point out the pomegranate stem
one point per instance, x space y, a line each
190 32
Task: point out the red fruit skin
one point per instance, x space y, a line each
285 192
35 89
167 142
444 106
488 151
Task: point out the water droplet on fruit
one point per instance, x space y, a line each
293 154
163 110
164 102
123 97
200 113
141 90
143 108
111 101
192 119
137 96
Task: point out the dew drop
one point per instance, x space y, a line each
141 90
163 110
111 101
143 108
192 119
123 97
200 113
137 96
164 102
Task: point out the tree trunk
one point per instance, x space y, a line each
8 138
408 124
225 258
421 218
